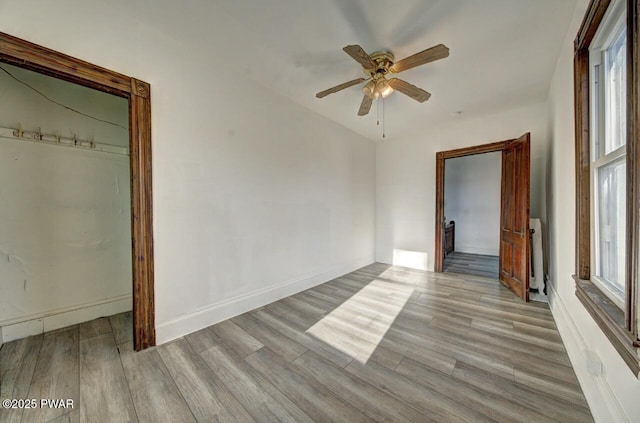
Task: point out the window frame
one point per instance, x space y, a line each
619 325
608 33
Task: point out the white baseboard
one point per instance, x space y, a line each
43 322
603 403
232 307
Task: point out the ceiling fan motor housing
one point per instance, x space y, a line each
384 60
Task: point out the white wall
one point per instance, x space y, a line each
613 395
472 200
65 237
254 197
405 176
22 106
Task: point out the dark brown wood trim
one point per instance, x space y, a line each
142 214
41 59
441 156
633 165
590 23
583 162
439 253
621 339
476 149
49 62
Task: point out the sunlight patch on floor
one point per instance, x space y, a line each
358 325
410 259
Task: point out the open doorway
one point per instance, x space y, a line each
472 214
26 55
514 236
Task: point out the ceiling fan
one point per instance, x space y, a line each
380 64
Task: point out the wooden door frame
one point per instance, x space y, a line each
24 54
441 156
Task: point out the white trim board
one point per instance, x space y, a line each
602 401
44 322
232 307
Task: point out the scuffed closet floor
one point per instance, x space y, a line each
379 344
77 362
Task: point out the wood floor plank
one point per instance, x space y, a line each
509 346
491 405
508 332
104 391
291 330
373 402
207 397
238 377
17 364
444 354
552 407
56 375
552 386
155 395
71 328
386 357
95 327
70 417
298 317
303 307
471 264
122 327
236 338
488 311
270 389
540 332
202 340
550 364
530 308
315 400
442 361
428 401
286 348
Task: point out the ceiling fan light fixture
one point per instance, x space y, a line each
370 90
383 87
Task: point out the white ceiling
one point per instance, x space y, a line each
503 53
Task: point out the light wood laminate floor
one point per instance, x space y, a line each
471 264
379 344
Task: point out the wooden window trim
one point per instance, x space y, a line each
27 55
621 328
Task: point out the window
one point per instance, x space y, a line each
607 172
608 62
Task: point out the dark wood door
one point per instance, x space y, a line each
514 217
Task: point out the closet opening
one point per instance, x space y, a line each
133 181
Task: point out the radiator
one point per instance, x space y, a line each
536 280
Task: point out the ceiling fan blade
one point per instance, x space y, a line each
365 106
418 94
339 87
360 56
429 55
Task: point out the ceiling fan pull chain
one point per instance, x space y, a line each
382 98
378 116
